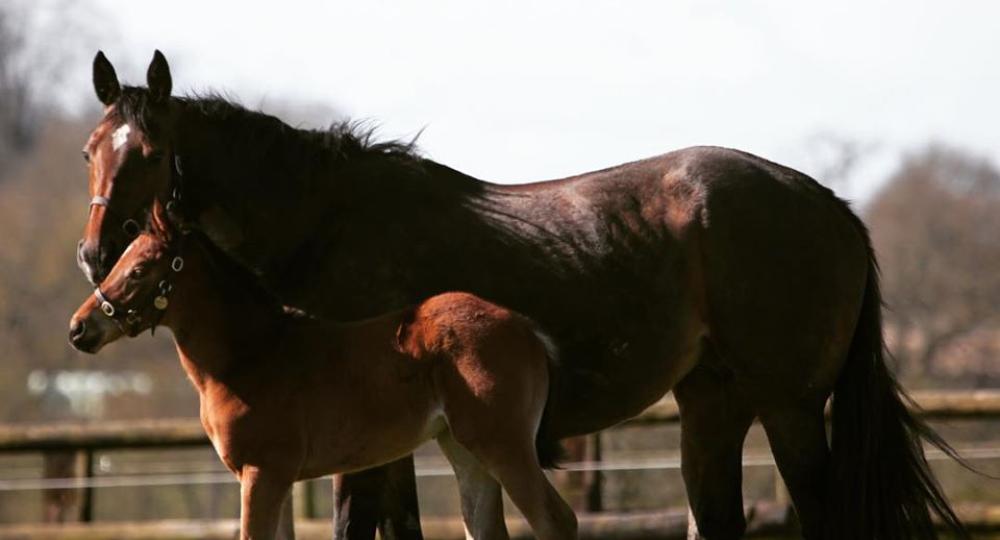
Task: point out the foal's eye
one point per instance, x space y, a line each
136 272
86 156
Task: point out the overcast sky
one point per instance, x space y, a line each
515 92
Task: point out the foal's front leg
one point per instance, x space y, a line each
262 495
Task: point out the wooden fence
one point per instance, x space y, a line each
69 449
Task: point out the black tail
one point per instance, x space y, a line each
882 487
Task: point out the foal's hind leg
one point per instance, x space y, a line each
798 441
714 422
482 500
508 453
518 469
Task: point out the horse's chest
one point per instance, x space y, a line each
220 418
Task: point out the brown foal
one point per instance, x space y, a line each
286 397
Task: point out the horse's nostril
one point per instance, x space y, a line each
77 330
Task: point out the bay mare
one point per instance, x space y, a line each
745 286
286 398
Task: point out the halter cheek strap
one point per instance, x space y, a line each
172 206
130 319
129 225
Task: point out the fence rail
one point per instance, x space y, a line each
69 457
181 432
764 520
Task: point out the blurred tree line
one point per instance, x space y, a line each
43 204
936 226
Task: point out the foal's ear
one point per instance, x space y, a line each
158 78
105 80
159 221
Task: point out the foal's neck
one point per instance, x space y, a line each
215 321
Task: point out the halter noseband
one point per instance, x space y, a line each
129 320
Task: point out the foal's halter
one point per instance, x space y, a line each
130 226
129 320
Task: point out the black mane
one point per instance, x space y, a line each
237 279
344 139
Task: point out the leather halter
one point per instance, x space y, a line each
129 320
131 226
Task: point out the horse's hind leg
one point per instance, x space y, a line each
482 500
797 436
714 422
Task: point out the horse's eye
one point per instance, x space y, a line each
86 156
136 272
156 156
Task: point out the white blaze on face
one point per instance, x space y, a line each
120 136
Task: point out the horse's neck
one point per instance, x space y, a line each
436 229
241 183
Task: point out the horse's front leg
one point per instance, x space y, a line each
262 496
383 497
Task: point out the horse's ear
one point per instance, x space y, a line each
158 78
105 80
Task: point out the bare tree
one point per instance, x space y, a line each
40 42
16 109
835 157
936 227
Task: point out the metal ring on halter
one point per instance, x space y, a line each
131 227
177 264
132 317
